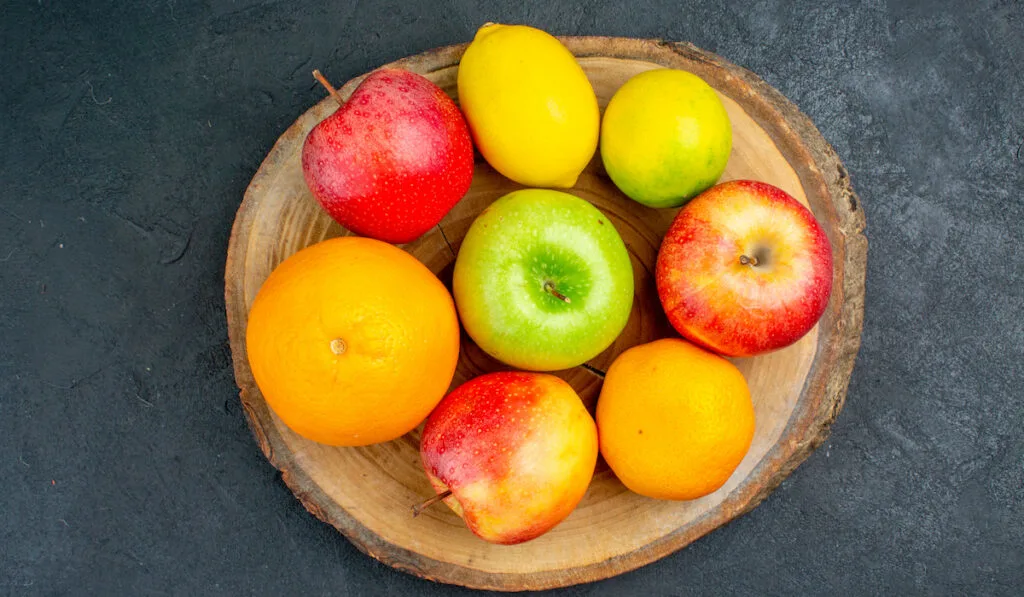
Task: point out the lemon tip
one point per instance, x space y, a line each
568 182
486 29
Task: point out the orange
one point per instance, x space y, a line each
352 341
674 420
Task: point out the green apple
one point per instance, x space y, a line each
665 137
543 281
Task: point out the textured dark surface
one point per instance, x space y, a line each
128 132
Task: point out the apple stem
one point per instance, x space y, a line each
423 506
549 287
327 85
748 260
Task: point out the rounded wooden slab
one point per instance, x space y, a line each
367 492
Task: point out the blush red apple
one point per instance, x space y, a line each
744 269
392 160
516 450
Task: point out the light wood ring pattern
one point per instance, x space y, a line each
366 492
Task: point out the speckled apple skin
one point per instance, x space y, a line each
716 301
516 449
519 242
392 161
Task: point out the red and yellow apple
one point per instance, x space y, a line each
516 450
744 269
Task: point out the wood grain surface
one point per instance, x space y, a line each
367 492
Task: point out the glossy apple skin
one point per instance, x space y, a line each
392 161
516 449
737 309
518 244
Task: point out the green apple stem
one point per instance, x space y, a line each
327 85
423 506
549 287
748 260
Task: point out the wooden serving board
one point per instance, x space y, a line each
366 493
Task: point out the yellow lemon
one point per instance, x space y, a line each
530 107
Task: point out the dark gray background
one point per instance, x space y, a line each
128 133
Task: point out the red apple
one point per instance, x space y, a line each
516 450
744 269
392 160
